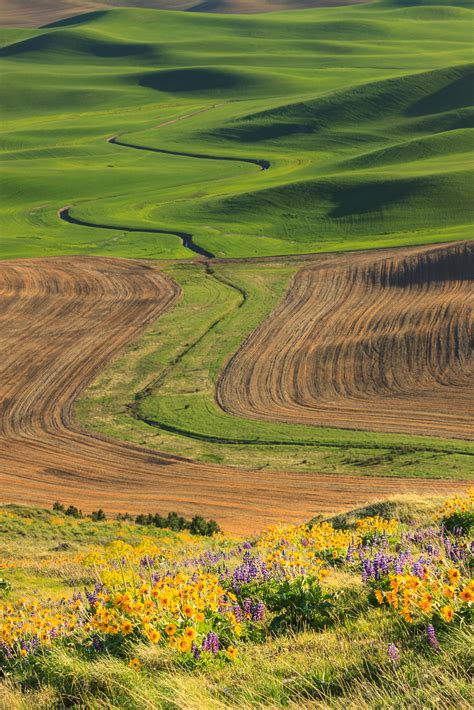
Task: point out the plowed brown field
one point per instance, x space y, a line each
378 341
61 321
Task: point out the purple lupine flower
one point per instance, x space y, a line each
213 642
431 636
92 596
456 552
148 561
252 568
195 651
247 606
350 552
238 613
97 643
258 611
393 653
418 567
367 569
6 650
417 570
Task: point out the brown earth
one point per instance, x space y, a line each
378 341
61 321
34 13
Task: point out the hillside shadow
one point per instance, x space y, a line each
367 198
68 43
256 132
458 94
451 264
77 19
187 80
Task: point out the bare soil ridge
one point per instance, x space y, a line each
61 322
379 341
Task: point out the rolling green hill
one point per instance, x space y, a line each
364 114
34 13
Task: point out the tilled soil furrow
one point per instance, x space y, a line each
374 342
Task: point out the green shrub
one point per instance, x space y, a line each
462 521
297 604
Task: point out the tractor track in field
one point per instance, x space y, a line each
63 319
377 341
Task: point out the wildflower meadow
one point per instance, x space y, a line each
153 605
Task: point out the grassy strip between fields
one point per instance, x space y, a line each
161 392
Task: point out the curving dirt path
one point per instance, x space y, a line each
262 164
61 321
186 238
376 341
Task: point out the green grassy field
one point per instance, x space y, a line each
36 13
362 111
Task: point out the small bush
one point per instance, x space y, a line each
197 526
459 522
297 604
98 515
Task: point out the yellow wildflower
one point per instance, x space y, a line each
447 613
